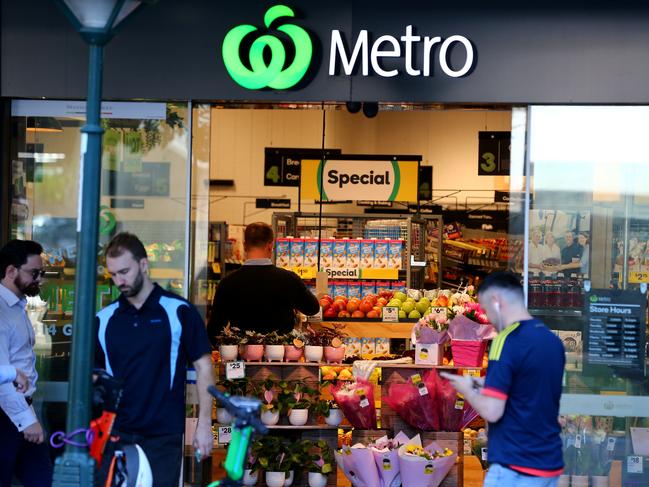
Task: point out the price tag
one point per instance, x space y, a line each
610 444
578 441
415 378
235 370
390 314
224 434
423 390
364 402
483 454
440 312
634 464
474 373
638 277
459 402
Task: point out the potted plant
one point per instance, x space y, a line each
237 387
293 346
251 470
270 407
320 463
229 340
253 346
334 350
315 342
274 347
328 410
273 456
295 397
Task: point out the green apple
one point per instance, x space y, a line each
414 314
408 306
421 306
426 301
402 314
395 302
400 296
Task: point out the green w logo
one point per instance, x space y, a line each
269 73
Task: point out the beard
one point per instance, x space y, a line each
28 289
135 288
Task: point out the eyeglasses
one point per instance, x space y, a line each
35 273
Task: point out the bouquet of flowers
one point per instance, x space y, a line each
416 401
386 458
356 399
431 328
424 467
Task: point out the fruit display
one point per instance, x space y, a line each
331 373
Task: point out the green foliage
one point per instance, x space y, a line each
230 335
272 454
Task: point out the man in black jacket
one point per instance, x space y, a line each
260 296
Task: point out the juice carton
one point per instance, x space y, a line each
353 253
399 286
381 254
395 253
368 287
368 346
340 254
311 252
382 346
352 346
283 252
367 254
326 253
354 289
297 252
339 288
382 286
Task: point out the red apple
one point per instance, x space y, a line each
377 309
352 306
339 305
358 314
343 298
328 298
381 302
373 314
343 314
325 303
372 299
365 306
330 312
386 294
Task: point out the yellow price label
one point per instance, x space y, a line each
637 277
216 268
474 373
416 379
305 272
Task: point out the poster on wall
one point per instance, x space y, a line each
494 150
361 177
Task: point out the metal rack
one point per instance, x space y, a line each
412 229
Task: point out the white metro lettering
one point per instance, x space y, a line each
343 178
387 46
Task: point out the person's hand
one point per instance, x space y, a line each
21 381
203 439
34 433
462 383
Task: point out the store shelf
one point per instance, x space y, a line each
305 427
379 363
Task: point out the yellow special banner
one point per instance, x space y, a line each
359 180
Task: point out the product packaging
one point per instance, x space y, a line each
368 346
339 288
368 287
340 254
381 254
382 346
398 286
395 254
352 346
354 289
311 252
382 287
297 252
326 253
283 252
367 253
353 253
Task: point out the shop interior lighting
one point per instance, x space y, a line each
43 125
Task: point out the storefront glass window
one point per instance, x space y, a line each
587 227
143 191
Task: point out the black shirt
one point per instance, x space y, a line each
149 349
571 251
260 298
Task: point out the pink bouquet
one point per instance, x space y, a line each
424 466
431 328
357 463
356 399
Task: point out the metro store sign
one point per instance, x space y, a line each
280 56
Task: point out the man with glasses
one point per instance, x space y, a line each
23 451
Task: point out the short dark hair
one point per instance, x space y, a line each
123 242
503 280
16 253
257 235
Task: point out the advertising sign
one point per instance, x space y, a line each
378 180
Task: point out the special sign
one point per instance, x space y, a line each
359 180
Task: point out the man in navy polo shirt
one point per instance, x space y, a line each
146 338
520 395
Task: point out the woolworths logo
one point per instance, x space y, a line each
266 56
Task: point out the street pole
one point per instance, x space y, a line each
75 467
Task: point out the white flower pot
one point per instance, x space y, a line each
274 353
298 417
579 481
313 353
270 418
334 418
223 416
288 481
600 481
275 479
250 478
317 479
228 352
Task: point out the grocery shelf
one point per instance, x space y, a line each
379 363
291 427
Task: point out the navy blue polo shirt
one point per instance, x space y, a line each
149 349
526 362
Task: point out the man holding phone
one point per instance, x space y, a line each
519 397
